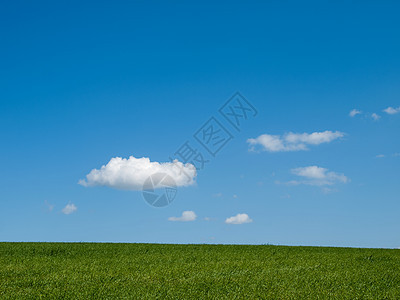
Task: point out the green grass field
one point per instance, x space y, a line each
86 270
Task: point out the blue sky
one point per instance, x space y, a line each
83 83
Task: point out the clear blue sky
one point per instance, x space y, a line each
84 82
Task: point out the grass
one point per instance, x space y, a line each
140 271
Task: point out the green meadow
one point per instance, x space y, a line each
156 271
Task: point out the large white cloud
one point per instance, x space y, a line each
293 141
239 219
392 111
314 175
187 216
131 173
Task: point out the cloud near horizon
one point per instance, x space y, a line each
293 141
318 176
131 174
187 216
239 219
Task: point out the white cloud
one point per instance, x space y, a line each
392 111
310 172
380 155
314 138
69 209
354 112
293 141
375 116
272 143
315 175
131 173
187 216
239 219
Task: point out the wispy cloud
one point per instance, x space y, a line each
239 219
131 173
49 206
375 116
354 112
293 141
217 195
69 209
388 155
314 175
187 216
392 111
327 190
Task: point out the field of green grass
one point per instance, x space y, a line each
140 271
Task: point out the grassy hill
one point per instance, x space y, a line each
91 270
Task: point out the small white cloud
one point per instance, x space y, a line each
131 173
187 216
293 141
392 111
380 156
375 116
396 154
217 195
235 196
315 175
354 112
310 172
207 219
69 209
239 219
